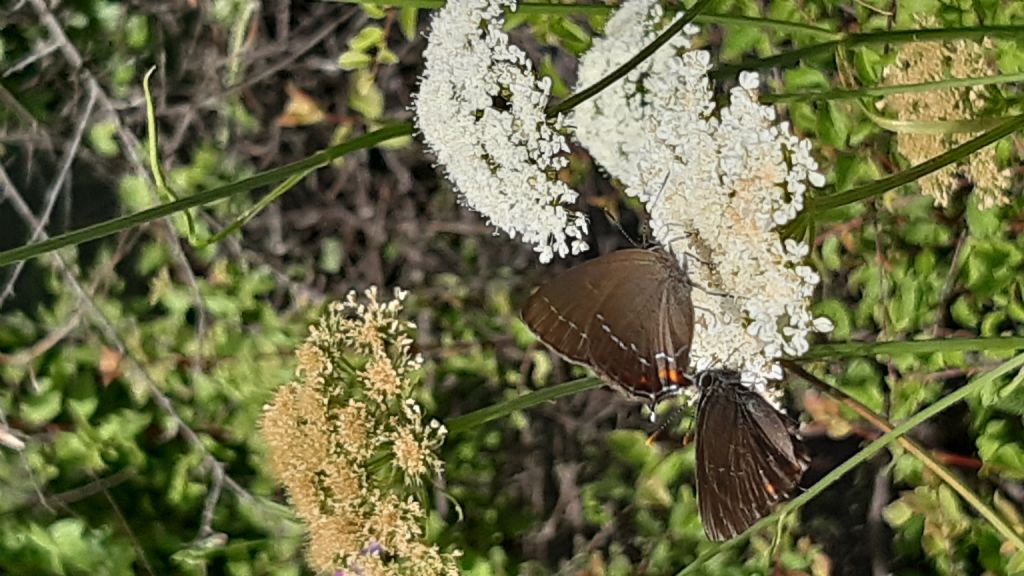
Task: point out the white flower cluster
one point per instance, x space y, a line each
480 109
613 125
717 185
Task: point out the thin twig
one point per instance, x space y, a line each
27 355
12 103
130 145
212 497
880 494
140 552
291 55
100 320
97 486
38 53
27 467
51 195
950 282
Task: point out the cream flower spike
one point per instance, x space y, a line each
480 109
352 447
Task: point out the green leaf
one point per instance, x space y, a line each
102 138
374 11
653 491
834 124
949 503
982 223
925 263
907 10
369 37
1015 566
869 64
572 36
136 31
831 253
839 313
903 306
1015 304
740 40
804 79
123 426
992 324
964 312
354 60
999 446
898 513
407 17
82 409
366 98
42 408
863 382
387 57
926 233
78 452
559 88
631 446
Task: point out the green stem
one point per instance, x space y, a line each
866 453
666 35
950 478
819 204
152 146
877 91
251 213
861 349
109 227
502 409
864 39
550 9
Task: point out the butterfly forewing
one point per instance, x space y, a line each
628 315
749 456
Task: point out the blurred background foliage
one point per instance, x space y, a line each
134 369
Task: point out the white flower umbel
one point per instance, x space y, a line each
480 109
718 184
723 202
613 125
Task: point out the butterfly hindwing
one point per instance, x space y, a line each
749 455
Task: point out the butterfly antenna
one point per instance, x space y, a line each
649 206
661 189
618 224
668 419
729 359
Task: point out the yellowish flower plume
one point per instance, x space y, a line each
351 446
920 62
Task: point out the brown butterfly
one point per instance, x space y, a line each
749 455
627 315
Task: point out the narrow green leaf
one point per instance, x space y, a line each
407 18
